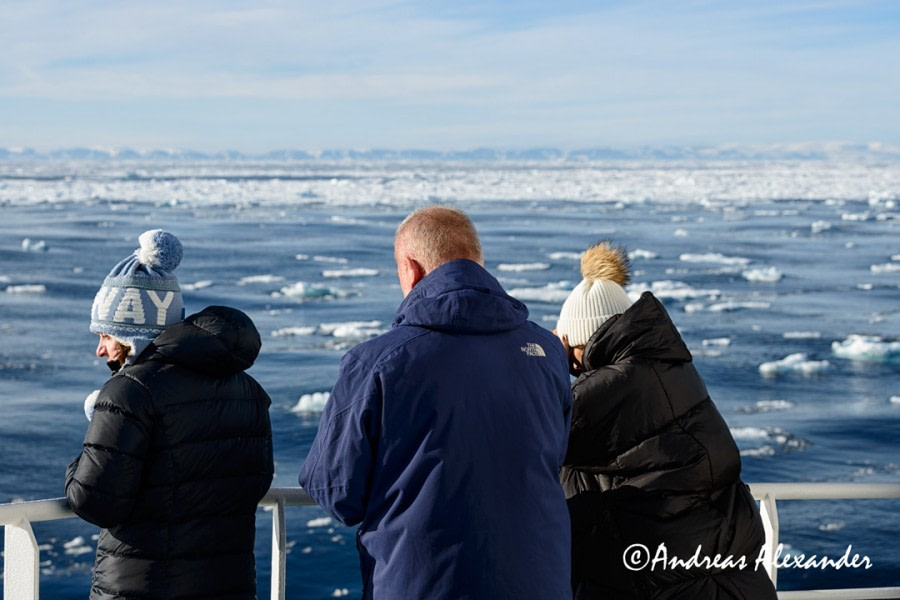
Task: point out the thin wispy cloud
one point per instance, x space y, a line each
431 74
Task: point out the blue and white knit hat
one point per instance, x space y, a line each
140 297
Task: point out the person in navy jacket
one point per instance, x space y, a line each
443 437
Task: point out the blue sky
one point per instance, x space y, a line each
254 76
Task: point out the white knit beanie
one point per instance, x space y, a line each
598 296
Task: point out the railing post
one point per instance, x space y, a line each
279 562
769 513
21 558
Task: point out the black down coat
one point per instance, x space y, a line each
652 462
175 460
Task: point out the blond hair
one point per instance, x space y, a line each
434 235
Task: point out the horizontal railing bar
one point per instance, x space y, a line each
53 509
842 594
825 491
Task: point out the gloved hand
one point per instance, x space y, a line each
89 403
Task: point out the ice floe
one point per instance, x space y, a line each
297 331
311 403
671 290
717 342
519 267
714 257
352 329
764 406
867 348
552 293
29 245
29 288
564 256
891 267
820 226
254 279
772 440
726 306
359 272
801 335
642 254
793 363
304 291
763 274
320 522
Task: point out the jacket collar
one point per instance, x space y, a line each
461 296
645 330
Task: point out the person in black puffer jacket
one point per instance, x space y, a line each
650 461
178 452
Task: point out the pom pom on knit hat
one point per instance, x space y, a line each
599 296
141 297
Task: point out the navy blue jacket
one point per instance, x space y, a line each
443 438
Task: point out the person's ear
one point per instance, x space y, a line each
410 272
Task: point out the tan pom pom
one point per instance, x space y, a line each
605 262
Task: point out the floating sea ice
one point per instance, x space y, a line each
895 400
552 293
793 363
77 546
680 233
643 254
801 335
294 331
761 451
34 246
764 406
352 329
37 288
671 290
260 279
749 433
820 226
310 291
320 522
564 256
891 267
763 274
717 342
197 285
834 526
360 272
727 306
340 593
519 267
867 348
311 403
714 257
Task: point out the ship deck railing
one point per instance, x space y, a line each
21 578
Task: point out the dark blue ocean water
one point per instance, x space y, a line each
307 252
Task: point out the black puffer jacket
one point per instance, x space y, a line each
651 462
177 456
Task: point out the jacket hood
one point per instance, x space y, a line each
645 330
461 296
218 341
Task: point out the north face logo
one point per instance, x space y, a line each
532 349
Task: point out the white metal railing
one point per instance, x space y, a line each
769 493
22 557
21 577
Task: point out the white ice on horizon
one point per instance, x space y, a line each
717 342
311 403
867 348
712 184
670 290
298 331
352 329
325 259
197 285
793 363
820 226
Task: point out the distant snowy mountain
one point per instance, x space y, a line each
842 151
